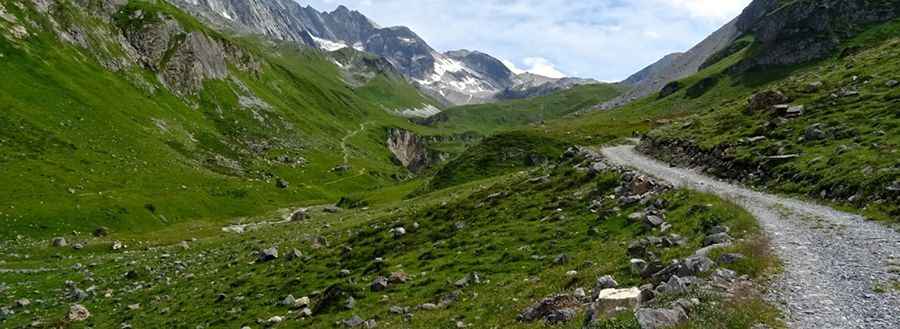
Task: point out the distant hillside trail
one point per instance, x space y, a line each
344 147
837 266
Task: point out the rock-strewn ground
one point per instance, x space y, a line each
836 264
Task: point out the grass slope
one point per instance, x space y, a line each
497 228
81 146
855 163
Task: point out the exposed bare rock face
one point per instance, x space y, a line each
183 59
408 149
802 31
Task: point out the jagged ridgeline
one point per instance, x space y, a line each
134 115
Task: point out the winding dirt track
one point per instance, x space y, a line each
837 266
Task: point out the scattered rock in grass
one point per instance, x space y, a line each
78 246
294 254
350 303
6 313
344 273
76 294
59 242
698 265
561 259
24 302
379 284
274 320
268 254
184 245
765 100
468 279
101 232
638 266
580 294
428 307
289 301
398 232
892 83
398 310
611 302
675 285
602 283
813 87
78 313
548 308
300 215
281 183
794 111
650 318
653 221
705 251
450 298
561 316
730 258
815 133
353 322
370 324
718 238
117 245
398 278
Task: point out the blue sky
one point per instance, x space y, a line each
602 39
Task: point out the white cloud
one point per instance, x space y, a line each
721 10
601 39
542 66
511 66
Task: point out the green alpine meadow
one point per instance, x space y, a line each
264 164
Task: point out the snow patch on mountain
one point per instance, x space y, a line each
425 111
329 45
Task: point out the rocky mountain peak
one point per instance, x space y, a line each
455 77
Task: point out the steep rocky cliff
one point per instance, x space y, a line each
409 150
805 30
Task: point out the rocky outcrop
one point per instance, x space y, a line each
806 30
183 59
409 150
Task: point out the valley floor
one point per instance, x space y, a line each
838 267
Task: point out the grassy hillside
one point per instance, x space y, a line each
82 145
842 148
509 231
489 118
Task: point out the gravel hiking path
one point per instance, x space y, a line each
840 271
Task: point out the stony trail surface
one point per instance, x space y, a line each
837 266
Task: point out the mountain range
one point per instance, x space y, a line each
456 77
